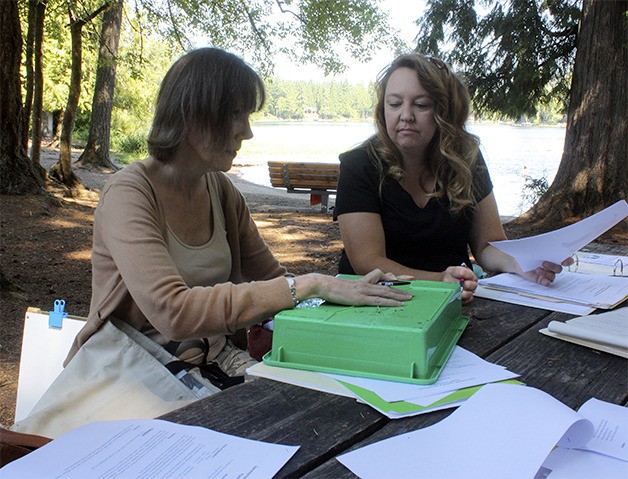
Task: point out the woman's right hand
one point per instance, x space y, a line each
467 279
362 292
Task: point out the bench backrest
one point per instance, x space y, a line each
314 176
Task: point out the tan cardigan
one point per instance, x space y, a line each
135 279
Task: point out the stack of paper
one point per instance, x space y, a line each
605 332
571 292
506 431
462 376
592 291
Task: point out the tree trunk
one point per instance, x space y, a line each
38 82
28 62
96 152
17 173
592 172
63 170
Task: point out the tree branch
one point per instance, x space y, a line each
283 10
258 34
176 31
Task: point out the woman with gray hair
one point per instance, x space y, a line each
176 253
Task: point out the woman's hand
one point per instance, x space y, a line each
361 292
546 273
467 279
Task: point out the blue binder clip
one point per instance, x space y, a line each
55 318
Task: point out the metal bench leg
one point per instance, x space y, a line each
324 203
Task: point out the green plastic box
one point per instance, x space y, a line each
409 344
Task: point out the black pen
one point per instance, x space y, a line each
393 283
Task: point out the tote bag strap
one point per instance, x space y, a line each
210 371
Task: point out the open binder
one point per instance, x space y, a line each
597 263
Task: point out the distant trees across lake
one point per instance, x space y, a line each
342 100
331 100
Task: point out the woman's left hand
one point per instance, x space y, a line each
546 273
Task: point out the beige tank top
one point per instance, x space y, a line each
204 265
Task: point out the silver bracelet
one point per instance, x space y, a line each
293 291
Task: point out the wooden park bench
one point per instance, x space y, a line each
319 180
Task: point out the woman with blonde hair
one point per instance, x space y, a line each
415 197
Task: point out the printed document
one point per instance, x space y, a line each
589 290
150 449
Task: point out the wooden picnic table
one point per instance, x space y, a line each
326 425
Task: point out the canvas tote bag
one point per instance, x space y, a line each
117 374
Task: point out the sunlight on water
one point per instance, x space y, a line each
510 151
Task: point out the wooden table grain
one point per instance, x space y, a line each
325 425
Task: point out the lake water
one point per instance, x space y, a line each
511 152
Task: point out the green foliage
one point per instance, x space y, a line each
305 30
515 55
533 189
134 144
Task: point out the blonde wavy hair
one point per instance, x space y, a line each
453 152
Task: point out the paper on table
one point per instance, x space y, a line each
598 291
514 298
150 448
605 455
557 245
464 369
611 428
461 377
400 409
575 464
501 431
299 377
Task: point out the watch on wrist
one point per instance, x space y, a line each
293 291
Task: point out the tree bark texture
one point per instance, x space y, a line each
28 61
38 81
592 173
17 174
96 152
63 170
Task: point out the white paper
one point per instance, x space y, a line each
514 298
300 377
150 449
560 244
43 351
588 290
575 464
501 431
463 369
611 428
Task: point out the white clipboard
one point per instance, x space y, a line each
46 341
